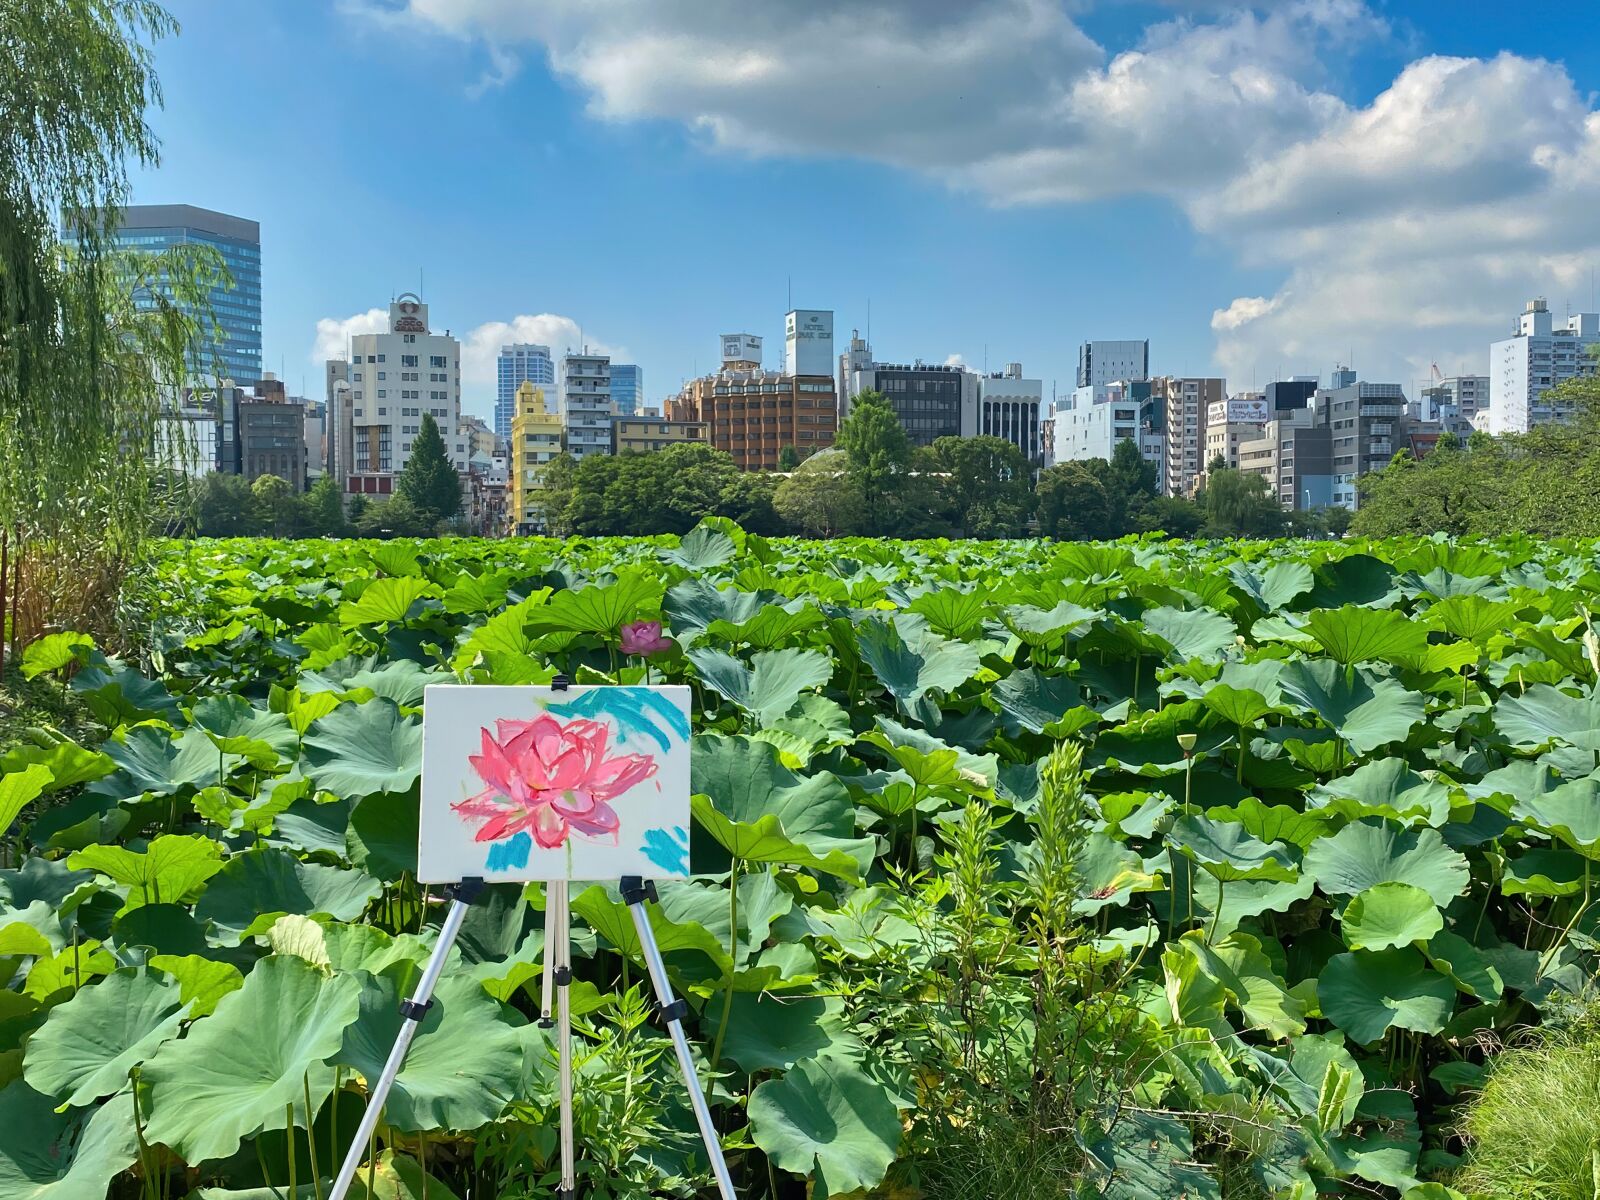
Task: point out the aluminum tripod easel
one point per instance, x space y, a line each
636 892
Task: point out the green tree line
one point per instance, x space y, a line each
874 482
1545 482
426 499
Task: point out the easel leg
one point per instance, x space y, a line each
552 922
635 892
563 982
413 1010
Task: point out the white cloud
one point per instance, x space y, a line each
1412 230
955 360
481 346
1241 312
334 333
1405 229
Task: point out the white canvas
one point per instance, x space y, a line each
523 783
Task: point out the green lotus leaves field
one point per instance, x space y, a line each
1342 826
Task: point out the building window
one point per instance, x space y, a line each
408 360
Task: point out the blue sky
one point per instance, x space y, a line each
1258 191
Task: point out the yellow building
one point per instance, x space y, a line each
535 440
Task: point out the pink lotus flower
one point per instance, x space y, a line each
551 779
643 638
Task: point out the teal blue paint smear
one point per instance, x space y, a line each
509 855
638 712
668 849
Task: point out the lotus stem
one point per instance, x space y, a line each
288 1133
733 958
311 1138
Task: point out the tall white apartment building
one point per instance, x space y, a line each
1100 363
586 402
1536 358
1182 405
394 379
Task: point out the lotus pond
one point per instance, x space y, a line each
1153 869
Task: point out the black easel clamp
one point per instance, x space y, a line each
468 890
413 1011
635 890
676 1011
563 976
559 684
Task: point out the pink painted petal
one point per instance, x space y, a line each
491 763
622 774
485 804
549 827
575 803
601 821
498 827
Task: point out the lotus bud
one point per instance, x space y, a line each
1591 646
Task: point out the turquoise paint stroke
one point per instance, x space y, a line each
638 712
668 849
509 855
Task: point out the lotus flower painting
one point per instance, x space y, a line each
522 783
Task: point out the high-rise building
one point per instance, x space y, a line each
271 431
1232 422
232 348
1185 404
338 428
753 414
1009 408
1293 454
519 362
1455 400
1100 363
932 401
586 405
1539 356
1093 421
391 381
536 431
627 388
808 342
1362 419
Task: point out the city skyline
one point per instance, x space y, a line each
1334 180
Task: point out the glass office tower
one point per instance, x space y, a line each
627 388
519 361
236 307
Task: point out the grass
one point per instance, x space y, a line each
1533 1132
28 706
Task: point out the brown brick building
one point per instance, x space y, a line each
753 414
